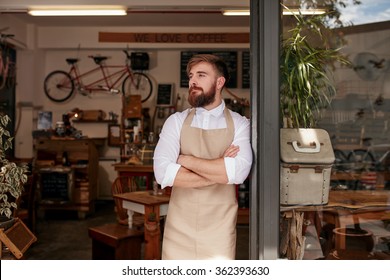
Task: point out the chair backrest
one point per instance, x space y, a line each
120 185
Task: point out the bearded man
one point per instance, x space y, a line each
202 153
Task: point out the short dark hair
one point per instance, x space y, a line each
214 60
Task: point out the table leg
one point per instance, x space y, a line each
130 217
152 233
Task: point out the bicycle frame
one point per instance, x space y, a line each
97 85
60 85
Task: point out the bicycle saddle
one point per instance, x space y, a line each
72 60
98 59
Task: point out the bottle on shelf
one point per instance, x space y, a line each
137 135
65 159
127 144
151 137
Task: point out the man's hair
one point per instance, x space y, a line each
214 60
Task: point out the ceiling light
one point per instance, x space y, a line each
236 12
303 12
285 12
78 12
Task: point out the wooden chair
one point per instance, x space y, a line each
115 242
125 184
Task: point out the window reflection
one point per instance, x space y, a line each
355 224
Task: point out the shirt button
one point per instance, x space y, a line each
206 121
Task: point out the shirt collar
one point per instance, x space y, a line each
216 112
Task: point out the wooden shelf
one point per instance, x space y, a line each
131 116
81 190
94 121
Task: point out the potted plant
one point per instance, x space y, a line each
306 84
12 176
306 88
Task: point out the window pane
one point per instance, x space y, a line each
355 221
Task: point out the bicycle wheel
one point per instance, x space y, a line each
362 159
341 160
138 84
58 86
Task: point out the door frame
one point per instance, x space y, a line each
264 179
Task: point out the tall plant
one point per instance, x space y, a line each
306 84
12 176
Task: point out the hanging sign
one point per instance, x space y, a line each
192 38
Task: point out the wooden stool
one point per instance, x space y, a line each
115 242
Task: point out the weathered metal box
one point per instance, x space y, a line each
306 164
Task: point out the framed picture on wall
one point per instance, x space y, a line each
164 95
114 138
230 58
45 120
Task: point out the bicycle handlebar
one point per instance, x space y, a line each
5 36
98 59
127 53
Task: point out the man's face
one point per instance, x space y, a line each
202 85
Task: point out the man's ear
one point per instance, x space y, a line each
220 82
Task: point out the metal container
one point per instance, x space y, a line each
306 163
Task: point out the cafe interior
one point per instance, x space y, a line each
91 192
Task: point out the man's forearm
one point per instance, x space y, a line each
187 179
212 169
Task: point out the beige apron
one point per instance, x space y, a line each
201 222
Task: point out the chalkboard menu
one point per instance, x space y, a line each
230 58
164 95
56 185
246 63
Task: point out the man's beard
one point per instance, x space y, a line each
203 98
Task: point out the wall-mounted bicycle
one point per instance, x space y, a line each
59 85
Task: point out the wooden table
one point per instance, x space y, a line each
352 178
136 170
145 202
344 208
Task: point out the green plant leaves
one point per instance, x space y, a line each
12 176
306 87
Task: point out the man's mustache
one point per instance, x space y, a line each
193 88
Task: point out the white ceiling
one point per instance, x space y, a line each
140 13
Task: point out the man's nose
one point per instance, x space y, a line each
192 82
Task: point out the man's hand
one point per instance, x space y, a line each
231 151
208 170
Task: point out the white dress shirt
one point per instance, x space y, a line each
168 147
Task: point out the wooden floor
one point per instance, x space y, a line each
62 236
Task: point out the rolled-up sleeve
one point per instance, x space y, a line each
238 168
230 165
170 175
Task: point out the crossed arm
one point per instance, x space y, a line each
197 172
